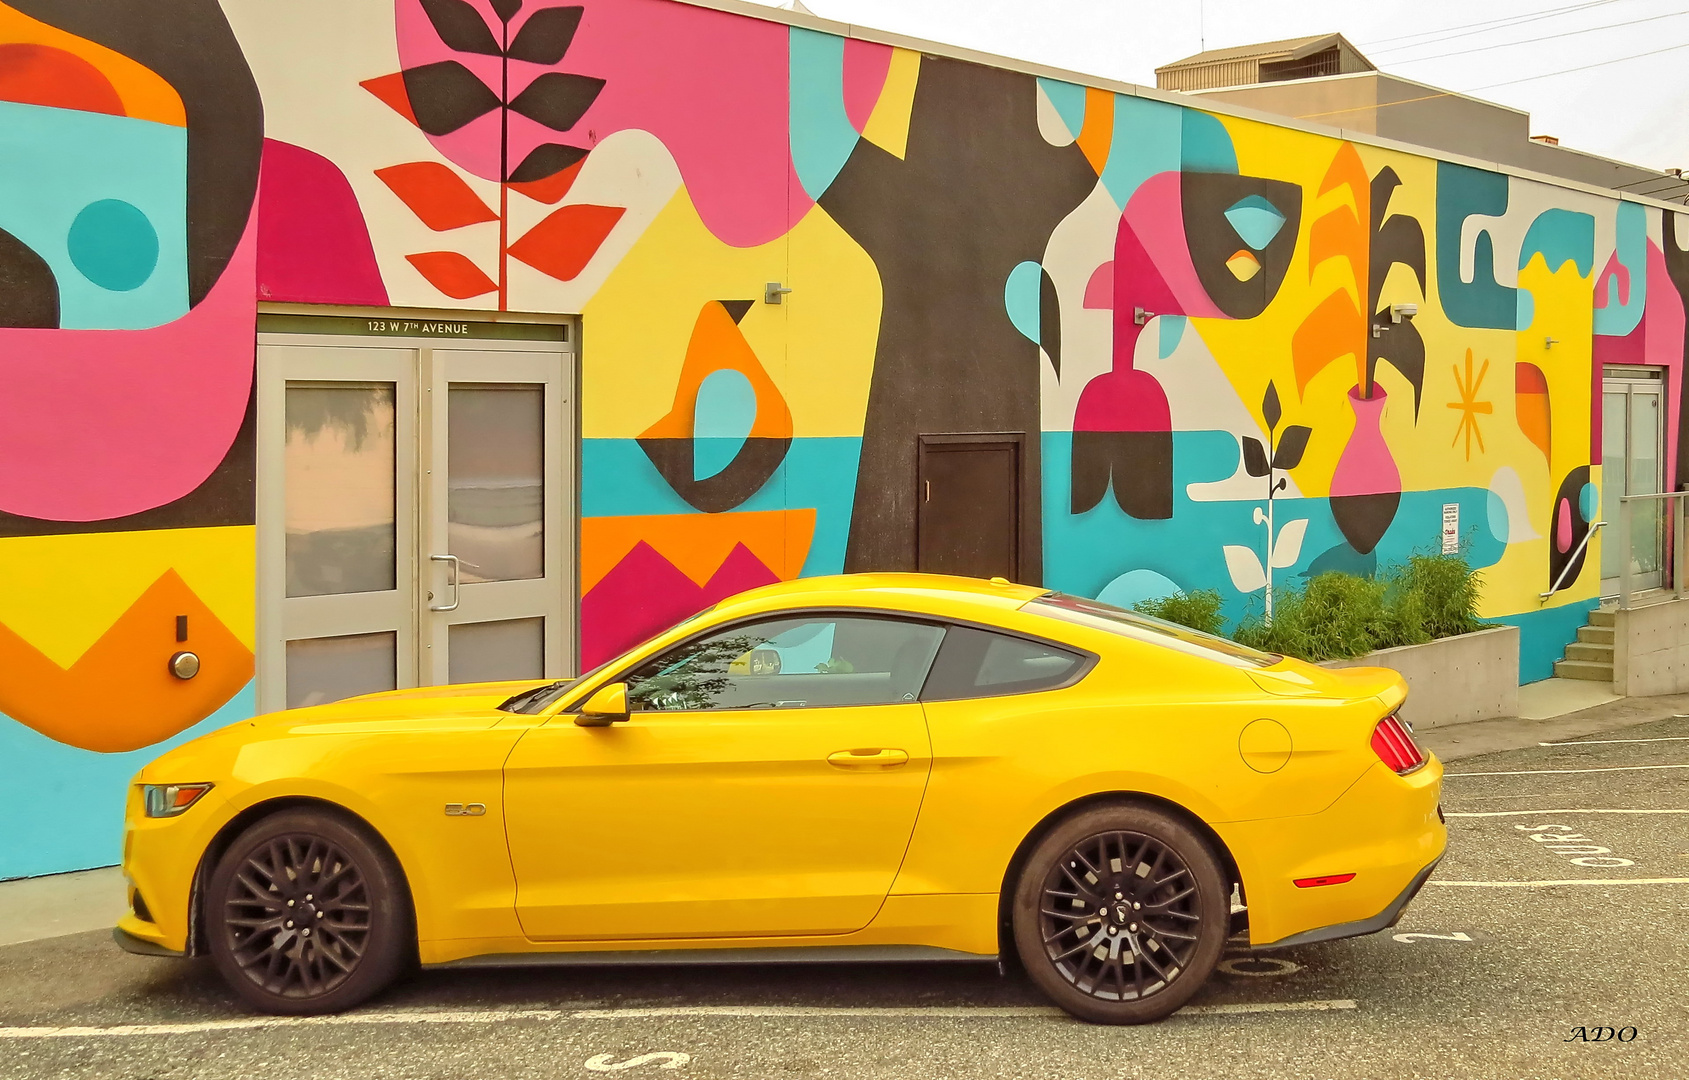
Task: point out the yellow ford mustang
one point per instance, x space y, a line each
867 767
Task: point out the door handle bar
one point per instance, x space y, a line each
854 759
457 570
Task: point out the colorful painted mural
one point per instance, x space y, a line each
1197 313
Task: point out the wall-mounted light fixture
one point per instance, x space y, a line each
1140 316
1549 342
772 293
1398 312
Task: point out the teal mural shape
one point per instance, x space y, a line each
1561 236
1464 192
821 131
1148 136
1069 102
1256 220
1021 299
1205 145
1622 290
83 190
722 417
114 245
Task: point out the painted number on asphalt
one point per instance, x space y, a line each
1409 939
1580 849
663 1059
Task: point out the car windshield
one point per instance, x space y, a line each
1101 616
539 698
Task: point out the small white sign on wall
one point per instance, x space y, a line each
1451 528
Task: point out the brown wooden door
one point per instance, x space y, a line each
969 494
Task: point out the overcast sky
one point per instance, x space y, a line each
1636 110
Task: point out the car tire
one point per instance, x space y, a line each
1120 914
307 913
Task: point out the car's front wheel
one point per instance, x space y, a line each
305 914
1120 914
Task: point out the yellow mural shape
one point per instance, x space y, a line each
817 345
69 590
888 125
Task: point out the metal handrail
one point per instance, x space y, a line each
1573 561
1675 553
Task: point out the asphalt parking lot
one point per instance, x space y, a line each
1526 935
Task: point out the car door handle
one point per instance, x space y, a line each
856 759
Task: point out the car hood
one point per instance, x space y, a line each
1297 678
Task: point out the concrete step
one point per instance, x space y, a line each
1596 635
1583 650
1603 617
1587 670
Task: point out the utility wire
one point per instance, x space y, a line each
1545 37
1585 67
1448 33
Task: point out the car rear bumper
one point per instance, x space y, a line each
1385 831
1385 919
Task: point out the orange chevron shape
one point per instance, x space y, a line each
120 695
697 544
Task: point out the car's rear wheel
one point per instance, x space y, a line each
306 914
1120 914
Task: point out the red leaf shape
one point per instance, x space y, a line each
436 195
390 89
562 244
452 273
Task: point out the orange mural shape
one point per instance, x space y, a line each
120 694
717 343
1531 406
43 65
698 544
1097 133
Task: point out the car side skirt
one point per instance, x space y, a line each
791 954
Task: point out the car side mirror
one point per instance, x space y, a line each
608 706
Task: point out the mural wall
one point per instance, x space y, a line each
1195 312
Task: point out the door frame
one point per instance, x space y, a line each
400 330
1023 540
1628 379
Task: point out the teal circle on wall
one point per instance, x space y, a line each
1588 501
114 245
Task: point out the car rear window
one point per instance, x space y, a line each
975 663
1100 616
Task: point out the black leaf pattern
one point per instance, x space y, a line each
557 99
1291 446
546 36
1254 456
546 160
460 27
506 9
446 96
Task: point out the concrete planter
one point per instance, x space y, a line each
1651 649
1454 680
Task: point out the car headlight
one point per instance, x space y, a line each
168 800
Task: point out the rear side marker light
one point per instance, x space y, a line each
1395 747
1329 879
168 800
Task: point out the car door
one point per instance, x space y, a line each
766 783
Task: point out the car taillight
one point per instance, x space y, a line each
1395 746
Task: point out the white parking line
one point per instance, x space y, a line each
1568 881
1544 813
937 1012
1547 772
1609 742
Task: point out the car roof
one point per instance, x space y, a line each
897 590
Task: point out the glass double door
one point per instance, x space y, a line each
1633 463
414 510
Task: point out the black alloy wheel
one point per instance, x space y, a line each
306 915
1121 914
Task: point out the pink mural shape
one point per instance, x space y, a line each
1099 289
866 65
645 593
1657 341
1613 271
713 87
313 244
1366 486
98 424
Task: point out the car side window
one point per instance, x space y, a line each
977 663
791 663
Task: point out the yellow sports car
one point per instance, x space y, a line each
864 767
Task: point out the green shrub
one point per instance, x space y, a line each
1340 616
1199 610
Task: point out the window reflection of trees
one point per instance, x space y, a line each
695 679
